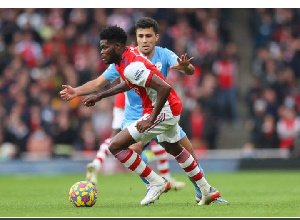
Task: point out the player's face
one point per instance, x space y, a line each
146 40
107 51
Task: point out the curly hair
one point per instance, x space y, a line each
114 33
147 22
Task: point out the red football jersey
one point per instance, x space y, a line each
136 70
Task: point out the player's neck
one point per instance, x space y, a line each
149 56
119 59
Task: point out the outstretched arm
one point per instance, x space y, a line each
184 65
68 93
163 91
92 99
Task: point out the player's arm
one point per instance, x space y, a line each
68 93
163 91
92 99
184 65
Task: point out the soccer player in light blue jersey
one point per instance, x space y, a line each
164 59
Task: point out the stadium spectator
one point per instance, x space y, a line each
29 49
255 123
64 136
31 19
207 99
39 145
270 136
288 128
226 70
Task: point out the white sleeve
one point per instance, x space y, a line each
137 73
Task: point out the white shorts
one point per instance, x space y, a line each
118 117
165 127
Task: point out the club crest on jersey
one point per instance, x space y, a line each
124 61
138 74
158 66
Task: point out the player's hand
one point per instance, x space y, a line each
142 126
68 93
182 63
90 100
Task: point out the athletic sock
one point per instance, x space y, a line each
102 153
189 165
162 163
133 162
197 189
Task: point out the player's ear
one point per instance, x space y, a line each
117 46
156 37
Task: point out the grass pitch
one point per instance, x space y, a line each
250 193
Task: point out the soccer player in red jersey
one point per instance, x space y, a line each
162 108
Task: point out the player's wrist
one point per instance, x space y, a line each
76 93
99 97
152 120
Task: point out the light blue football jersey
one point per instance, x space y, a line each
163 59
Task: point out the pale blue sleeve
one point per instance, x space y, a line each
111 73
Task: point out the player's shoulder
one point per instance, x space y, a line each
136 71
164 53
135 54
133 50
136 65
159 49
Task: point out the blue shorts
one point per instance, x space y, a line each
126 123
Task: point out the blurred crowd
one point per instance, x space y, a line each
273 99
41 49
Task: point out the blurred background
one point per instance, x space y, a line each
241 107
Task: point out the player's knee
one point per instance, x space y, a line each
114 147
173 148
137 148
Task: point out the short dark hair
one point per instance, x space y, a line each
114 33
147 22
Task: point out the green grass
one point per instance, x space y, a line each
250 193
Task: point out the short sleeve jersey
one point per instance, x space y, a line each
136 70
163 59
